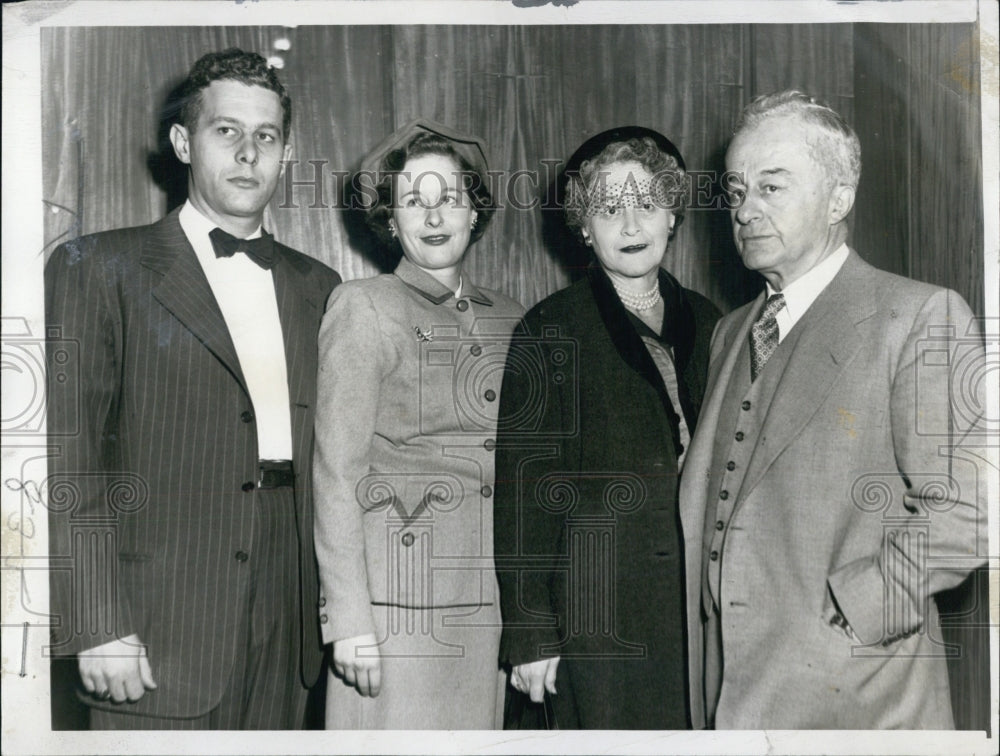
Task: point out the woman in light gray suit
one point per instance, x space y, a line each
409 379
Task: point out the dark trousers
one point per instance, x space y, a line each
265 691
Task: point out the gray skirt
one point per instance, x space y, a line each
439 672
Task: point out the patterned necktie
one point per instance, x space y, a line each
764 335
261 250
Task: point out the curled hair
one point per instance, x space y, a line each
473 181
672 182
833 142
230 65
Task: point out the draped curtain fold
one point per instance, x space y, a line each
534 93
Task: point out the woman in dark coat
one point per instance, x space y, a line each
601 392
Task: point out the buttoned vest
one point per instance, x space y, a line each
741 415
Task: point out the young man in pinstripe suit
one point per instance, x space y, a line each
190 602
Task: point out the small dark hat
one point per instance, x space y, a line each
593 146
472 148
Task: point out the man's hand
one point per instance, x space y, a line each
357 660
118 670
536 678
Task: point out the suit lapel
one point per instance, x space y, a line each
629 344
184 290
298 310
828 339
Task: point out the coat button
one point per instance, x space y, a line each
322 601
462 305
246 416
490 395
241 556
323 619
407 539
730 465
486 491
489 444
745 405
714 556
476 350
723 494
719 524
248 486
739 435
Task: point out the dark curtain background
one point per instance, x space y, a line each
534 93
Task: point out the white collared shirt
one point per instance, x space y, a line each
246 296
802 292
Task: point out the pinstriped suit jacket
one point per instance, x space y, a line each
155 439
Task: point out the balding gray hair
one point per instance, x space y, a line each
833 142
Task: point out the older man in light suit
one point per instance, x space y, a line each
830 490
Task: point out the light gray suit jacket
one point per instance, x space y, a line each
848 478
408 390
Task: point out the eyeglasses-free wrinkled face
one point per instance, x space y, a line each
786 208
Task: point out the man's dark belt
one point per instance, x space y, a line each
276 473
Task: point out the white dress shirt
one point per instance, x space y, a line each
245 293
802 292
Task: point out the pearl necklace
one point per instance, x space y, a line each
638 302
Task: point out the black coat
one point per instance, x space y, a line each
587 535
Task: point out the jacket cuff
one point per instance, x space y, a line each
525 646
346 619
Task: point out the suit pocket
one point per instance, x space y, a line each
833 632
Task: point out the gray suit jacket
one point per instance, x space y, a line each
408 390
847 479
156 439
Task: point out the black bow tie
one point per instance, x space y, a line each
260 250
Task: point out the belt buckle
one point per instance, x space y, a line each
275 474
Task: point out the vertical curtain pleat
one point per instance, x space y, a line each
919 213
340 81
534 93
920 201
947 175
